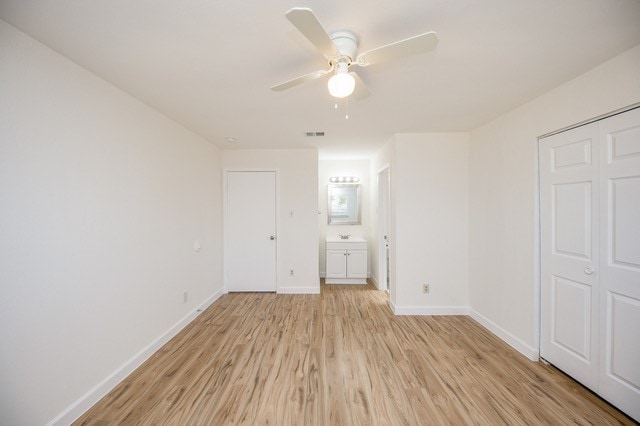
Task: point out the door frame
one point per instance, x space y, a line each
382 258
225 233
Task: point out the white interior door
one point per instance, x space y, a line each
569 252
250 231
620 261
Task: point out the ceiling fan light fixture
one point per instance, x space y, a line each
342 83
340 48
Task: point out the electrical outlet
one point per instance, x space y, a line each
185 297
291 272
425 288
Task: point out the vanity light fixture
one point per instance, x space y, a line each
344 179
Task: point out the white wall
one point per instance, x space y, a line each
502 208
431 215
326 169
298 191
102 199
429 221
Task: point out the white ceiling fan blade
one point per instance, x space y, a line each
361 91
307 23
299 80
410 46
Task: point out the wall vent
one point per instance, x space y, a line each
312 134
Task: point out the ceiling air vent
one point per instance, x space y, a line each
312 134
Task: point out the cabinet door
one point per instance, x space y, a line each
336 265
356 264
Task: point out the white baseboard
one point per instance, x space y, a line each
429 310
323 274
79 407
374 281
299 290
517 344
359 281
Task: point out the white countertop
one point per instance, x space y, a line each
351 239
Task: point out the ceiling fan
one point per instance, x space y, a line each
341 50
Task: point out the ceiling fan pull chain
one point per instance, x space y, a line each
346 103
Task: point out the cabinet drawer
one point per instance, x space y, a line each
346 245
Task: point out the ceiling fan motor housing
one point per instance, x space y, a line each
347 45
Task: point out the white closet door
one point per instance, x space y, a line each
620 261
569 252
250 231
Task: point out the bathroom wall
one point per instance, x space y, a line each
326 169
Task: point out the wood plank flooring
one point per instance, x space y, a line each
341 358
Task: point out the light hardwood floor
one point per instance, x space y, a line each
341 358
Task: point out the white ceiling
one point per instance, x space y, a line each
209 64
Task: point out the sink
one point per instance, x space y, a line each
351 239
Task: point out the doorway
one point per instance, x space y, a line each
384 185
250 231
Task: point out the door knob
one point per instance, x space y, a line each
588 271
273 237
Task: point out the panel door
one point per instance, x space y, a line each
569 252
336 263
357 264
620 261
250 231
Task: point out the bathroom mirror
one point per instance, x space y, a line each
344 204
